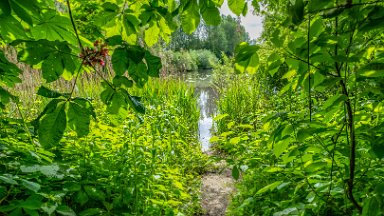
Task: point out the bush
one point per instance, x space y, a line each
191 60
204 59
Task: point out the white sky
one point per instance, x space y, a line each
252 23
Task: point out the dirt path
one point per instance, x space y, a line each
217 187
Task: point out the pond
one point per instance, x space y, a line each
207 96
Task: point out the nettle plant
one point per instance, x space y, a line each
65 39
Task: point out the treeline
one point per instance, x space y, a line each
219 39
204 48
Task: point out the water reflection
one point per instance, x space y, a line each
207 95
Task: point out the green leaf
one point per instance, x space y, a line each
117 102
220 116
316 5
94 193
81 197
378 148
107 94
334 101
54 27
247 59
56 57
11 29
50 107
31 204
8 179
65 210
274 63
234 140
49 208
120 61
296 11
316 27
269 187
79 115
373 69
375 20
9 73
55 65
138 72
151 35
30 185
136 54
52 126
5 97
280 147
136 104
314 167
372 207
48 93
153 63
5 8
237 6
190 18
115 40
119 81
25 9
211 16
235 172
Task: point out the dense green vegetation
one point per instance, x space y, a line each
304 125
85 131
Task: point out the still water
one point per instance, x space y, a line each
207 96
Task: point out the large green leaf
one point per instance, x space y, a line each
26 10
55 65
56 57
54 27
237 6
9 73
247 59
153 63
211 15
11 29
48 93
190 18
138 72
151 35
136 104
120 61
79 115
52 126
280 147
120 81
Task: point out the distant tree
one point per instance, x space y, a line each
218 39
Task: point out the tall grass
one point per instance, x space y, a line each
124 166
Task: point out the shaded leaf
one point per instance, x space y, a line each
52 126
48 93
